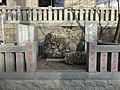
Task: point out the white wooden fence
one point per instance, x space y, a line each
60 16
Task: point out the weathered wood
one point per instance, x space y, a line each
20 64
92 56
10 62
2 63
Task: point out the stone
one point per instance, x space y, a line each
76 58
58 44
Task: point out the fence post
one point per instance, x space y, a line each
90 32
31 56
34 14
19 14
2 63
92 56
50 13
20 66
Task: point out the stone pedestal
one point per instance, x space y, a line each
27 33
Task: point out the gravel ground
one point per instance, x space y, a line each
42 64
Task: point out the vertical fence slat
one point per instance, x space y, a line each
20 64
107 15
14 15
81 14
30 56
91 15
65 14
76 14
34 14
19 14
30 15
40 14
9 15
112 14
71 14
55 14
103 61
4 13
60 15
97 13
86 14
114 61
50 13
92 56
2 63
44 14
102 15
10 62
24 16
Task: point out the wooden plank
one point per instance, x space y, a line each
10 62
114 61
103 62
30 56
20 64
2 63
92 56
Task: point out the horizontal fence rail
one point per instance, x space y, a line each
103 57
15 58
51 16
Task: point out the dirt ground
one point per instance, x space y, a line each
42 64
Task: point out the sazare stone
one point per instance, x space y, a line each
58 44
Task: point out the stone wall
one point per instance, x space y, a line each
23 3
35 3
87 84
10 30
77 3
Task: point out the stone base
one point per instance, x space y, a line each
60 80
60 84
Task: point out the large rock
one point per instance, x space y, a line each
58 44
76 58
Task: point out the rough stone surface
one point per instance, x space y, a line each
76 58
57 44
60 84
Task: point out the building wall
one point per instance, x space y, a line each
77 3
35 3
23 3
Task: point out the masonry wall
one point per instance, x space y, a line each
10 30
77 3
87 84
34 3
23 3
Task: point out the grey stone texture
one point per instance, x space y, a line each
60 84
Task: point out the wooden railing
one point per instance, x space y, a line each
61 16
15 58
